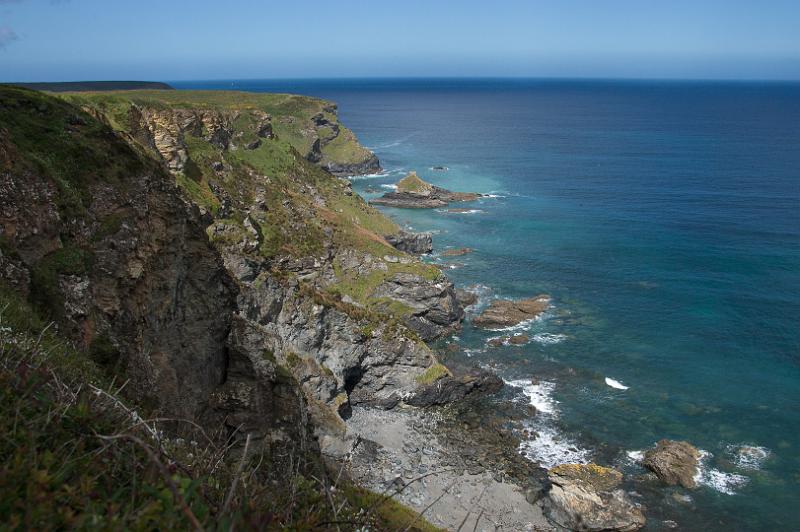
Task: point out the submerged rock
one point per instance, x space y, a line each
586 497
456 252
414 243
506 313
673 462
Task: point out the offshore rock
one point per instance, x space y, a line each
413 243
506 313
585 497
673 462
414 193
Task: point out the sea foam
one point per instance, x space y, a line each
548 338
720 481
548 447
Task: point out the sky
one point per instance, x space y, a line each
171 40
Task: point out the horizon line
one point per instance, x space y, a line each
435 78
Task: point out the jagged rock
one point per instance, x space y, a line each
368 369
586 498
414 193
673 462
435 311
450 389
413 243
465 297
506 313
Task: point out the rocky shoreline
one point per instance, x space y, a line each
269 303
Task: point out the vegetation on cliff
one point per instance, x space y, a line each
233 151
120 342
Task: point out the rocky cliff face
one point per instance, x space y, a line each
101 241
321 292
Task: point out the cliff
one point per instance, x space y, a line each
257 301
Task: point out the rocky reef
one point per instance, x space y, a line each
414 193
502 313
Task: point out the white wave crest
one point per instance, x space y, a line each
548 338
367 176
460 211
749 456
539 393
720 481
550 448
616 384
390 187
635 457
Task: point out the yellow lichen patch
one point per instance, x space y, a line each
599 477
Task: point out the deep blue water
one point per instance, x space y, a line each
664 220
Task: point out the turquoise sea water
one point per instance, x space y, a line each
664 220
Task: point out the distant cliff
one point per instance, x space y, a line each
67 86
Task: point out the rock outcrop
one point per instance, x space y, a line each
434 308
413 243
504 313
673 462
414 193
587 498
450 389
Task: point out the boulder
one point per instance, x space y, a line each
673 462
586 497
506 313
413 243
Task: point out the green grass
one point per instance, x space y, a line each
52 138
434 373
345 148
361 288
414 184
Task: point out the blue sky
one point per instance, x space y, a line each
47 40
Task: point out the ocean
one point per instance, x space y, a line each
663 217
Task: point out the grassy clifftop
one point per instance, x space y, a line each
309 125
235 153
